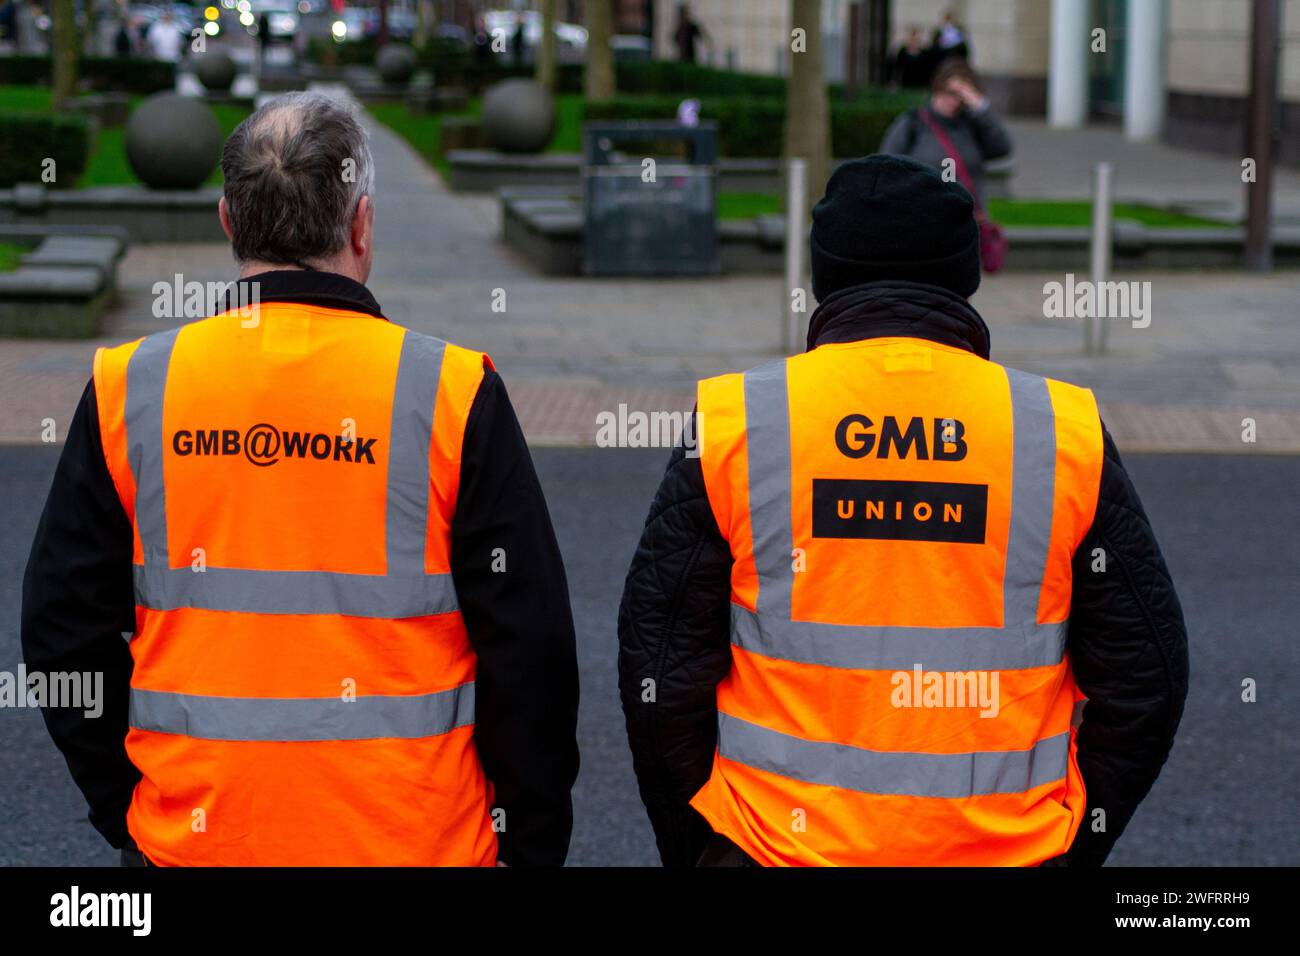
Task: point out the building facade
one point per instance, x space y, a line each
1176 70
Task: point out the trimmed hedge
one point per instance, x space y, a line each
100 73
689 79
754 127
352 53
476 76
27 139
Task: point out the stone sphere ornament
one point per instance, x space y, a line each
518 116
215 70
395 63
172 141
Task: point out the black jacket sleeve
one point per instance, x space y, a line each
990 132
78 602
515 600
1128 649
674 648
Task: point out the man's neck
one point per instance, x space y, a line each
253 267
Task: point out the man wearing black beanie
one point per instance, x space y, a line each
871 607
889 217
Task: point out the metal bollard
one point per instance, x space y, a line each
796 237
1095 328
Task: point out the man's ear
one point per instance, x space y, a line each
362 226
224 215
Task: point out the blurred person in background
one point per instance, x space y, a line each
29 38
165 39
8 21
959 112
688 34
122 45
519 43
950 40
482 40
911 66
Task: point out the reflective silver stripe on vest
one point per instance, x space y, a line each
302 718
1033 487
767 438
899 648
405 591
893 773
390 596
146 383
414 395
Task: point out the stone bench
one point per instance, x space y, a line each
146 215
95 252
61 287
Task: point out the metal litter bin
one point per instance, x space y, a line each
644 219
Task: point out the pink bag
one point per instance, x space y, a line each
993 240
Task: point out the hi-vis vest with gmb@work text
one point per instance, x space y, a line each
902 517
303 687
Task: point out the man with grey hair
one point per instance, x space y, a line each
299 182
350 634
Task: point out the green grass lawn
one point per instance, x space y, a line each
568 124
1009 212
422 130
25 99
1066 212
107 165
747 205
9 256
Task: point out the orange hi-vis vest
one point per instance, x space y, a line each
902 517
303 687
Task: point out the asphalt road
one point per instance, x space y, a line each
1227 796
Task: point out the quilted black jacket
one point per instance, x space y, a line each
1127 640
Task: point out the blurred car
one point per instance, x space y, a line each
451 33
281 18
281 24
629 47
401 24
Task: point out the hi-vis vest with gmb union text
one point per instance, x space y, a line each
902 517
303 689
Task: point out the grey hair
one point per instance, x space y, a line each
294 173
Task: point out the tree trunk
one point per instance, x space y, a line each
599 79
65 51
807 114
382 38
546 47
426 23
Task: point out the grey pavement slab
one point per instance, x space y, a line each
1057 164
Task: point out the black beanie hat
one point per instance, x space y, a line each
889 217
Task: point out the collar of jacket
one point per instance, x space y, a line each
326 289
895 308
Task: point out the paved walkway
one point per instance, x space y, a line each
1221 347
1058 164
